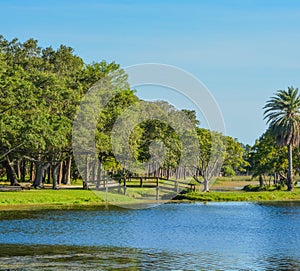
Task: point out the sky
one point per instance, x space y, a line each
242 50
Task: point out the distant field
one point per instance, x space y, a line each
232 183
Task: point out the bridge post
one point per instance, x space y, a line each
157 188
86 183
176 184
125 186
106 190
141 181
119 187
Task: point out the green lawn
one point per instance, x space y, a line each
66 198
242 196
47 196
78 198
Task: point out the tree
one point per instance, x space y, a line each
39 92
191 114
212 154
14 92
234 161
268 159
283 116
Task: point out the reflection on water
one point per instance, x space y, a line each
214 236
39 257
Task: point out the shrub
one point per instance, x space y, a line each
257 188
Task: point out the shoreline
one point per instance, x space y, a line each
103 206
86 199
72 197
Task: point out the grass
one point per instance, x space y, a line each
241 196
73 198
228 191
78 198
50 197
236 179
67 198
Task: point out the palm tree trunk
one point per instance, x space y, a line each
290 181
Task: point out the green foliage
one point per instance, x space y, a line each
212 154
267 157
191 114
36 97
106 121
283 115
41 90
234 162
227 170
152 130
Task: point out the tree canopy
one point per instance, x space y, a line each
40 92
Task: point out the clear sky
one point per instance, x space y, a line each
242 50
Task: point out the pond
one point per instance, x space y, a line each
182 236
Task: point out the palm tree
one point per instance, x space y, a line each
283 116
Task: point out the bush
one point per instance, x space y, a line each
257 188
251 188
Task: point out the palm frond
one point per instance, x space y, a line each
282 113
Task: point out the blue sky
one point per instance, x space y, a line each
242 50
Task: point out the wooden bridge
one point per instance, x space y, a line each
162 185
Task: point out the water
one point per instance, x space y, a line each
214 236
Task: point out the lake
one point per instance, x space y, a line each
182 236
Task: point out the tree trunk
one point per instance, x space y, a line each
261 181
18 169
10 172
99 173
64 172
275 178
49 170
38 176
205 184
60 176
94 172
68 174
32 175
177 173
40 168
54 176
290 181
87 172
23 170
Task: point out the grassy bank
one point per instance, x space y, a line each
48 198
242 196
67 198
75 198
224 189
